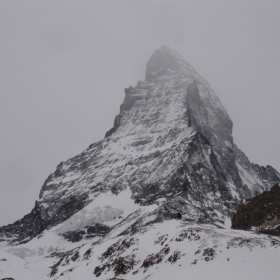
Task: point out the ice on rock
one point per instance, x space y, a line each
88 217
104 207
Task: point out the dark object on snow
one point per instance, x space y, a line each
176 215
261 212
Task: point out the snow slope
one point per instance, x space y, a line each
156 249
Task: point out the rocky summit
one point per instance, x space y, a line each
156 192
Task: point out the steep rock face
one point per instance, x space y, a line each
261 212
171 145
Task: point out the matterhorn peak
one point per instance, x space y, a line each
166 61
157 190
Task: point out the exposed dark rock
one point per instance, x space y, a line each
177 215
153 259
38 220
261 212
122 265
117 123
74 236
174 257
117 248
67 258
97 230
112 260
56 254
190 234
87 232
87 254
209 254
161 239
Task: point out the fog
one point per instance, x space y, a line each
64 66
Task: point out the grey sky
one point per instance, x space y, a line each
64 66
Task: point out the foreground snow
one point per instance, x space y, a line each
157 249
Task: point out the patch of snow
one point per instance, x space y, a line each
105 207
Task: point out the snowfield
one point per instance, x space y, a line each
169 249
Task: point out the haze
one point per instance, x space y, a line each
65 64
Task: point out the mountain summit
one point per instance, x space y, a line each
170 154
165 61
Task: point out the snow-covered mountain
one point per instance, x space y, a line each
154 194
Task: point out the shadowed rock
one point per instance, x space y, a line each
261 212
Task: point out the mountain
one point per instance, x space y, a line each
168 168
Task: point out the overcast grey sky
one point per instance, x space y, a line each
64 66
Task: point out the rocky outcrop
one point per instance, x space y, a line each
261 213
95 230
37 221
